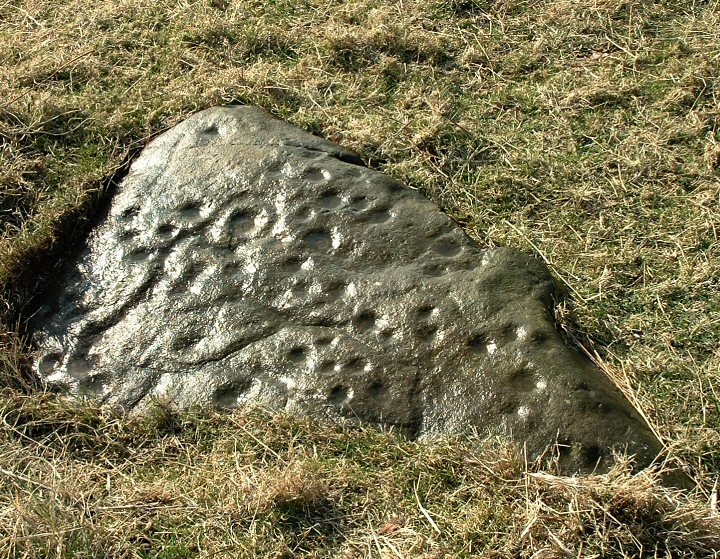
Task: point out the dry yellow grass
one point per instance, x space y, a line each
584 131
80 482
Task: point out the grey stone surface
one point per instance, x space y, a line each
244 260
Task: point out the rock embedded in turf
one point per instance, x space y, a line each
244 260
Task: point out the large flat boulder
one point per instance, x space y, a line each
244 260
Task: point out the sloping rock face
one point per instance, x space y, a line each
244 260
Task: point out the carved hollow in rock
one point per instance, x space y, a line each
244 260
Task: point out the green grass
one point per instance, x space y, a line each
586 132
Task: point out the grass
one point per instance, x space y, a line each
584 131
88 484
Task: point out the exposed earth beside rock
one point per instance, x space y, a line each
244 260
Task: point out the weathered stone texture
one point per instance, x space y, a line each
244 260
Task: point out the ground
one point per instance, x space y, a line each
585 132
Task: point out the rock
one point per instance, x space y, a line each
244 260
